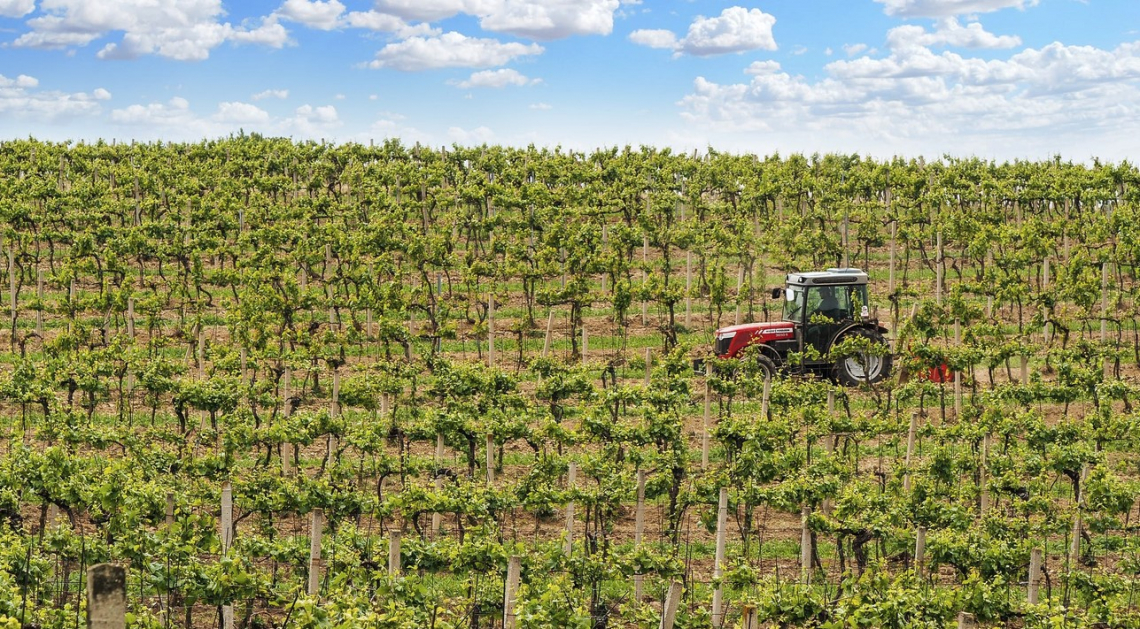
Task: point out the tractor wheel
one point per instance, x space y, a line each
766 367
859 369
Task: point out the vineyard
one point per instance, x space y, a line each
317 385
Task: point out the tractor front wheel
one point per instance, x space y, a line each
864 368
766 366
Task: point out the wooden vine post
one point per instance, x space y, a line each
288 452
316 531
638 531
920 550
1075 534
106 597
672 601
394 553
490 449
1035 576
718 561
510 589
805 544
227 531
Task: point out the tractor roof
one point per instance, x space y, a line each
830 277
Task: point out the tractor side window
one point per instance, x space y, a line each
858 299
832 302
793 304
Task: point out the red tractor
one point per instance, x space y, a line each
821 310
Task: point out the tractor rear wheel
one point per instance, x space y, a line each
863 368
766 367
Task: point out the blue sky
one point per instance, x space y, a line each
998 79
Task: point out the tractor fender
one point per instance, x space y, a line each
764 349
858 324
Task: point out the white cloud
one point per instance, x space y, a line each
174 113
854 49
374 21
430 10
241 113
948 32
949 8
914 99
478 135
502 77
316 14
763 67
735 30
20 99
175 120
541 106
179 29
16 8
450 50
654 38
534 19
551 19
327 15
280 94
318 115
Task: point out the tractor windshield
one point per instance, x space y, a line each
794 304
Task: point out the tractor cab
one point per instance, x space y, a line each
822 303
820 309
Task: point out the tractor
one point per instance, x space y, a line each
821 309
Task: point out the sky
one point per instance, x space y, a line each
995 79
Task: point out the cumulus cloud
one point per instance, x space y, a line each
178 29
241 113
21 98
915 97
327 15
280 94
551 19
534 19
478 135
16 8
450 50
310 121
313 13
949 8
735 30
949 33
176 120
173 113
503 77
390 126
654 38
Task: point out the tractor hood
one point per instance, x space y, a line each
734 339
